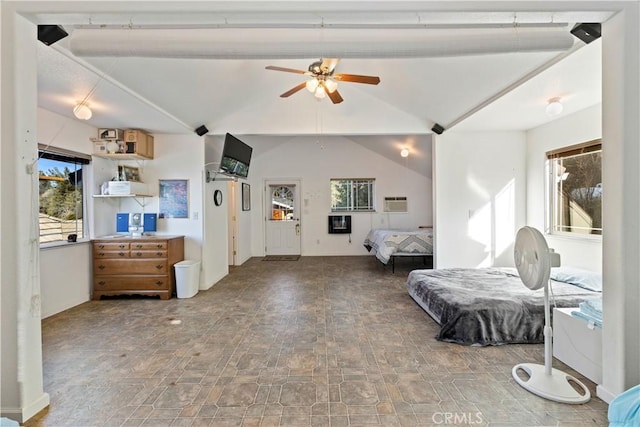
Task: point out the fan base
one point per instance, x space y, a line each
554 387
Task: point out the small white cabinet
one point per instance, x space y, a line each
577 344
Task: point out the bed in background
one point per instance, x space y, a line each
490 306
388 244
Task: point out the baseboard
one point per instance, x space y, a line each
36 406
213 281
22 415
604 394
14 414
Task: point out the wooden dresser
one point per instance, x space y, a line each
136 265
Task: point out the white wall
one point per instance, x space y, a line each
65 273
479 197
215 250
65 269
315 163
175 157
245 231
21 381
621 208
583 126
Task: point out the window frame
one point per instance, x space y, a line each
371 182
69 156
551 196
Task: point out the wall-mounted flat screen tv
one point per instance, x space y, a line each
236 156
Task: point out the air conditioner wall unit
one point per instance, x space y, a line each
395 204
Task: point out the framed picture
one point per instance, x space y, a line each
246 197
174 198
129 173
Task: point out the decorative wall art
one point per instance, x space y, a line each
174 198
129 173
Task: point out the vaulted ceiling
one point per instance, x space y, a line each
169 67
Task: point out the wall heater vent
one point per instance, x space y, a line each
395 204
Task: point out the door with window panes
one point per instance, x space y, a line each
282 206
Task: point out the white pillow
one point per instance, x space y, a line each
576 276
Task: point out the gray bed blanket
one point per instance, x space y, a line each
386 243
488 306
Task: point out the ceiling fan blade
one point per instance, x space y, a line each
354 78
293 90
329 64
334 96
288 70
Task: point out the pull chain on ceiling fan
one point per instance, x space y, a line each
323 80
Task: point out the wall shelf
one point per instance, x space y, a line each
122 156
137 145
112 196
122 196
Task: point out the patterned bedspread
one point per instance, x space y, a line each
385 243
488 306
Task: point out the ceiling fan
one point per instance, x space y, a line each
323 80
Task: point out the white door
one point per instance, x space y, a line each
282 214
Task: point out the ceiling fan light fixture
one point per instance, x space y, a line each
312 84
82 112
331 85
554 107
322 81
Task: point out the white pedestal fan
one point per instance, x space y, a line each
534 260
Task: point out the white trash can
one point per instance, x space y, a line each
187 278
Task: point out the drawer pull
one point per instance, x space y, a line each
101 267
101 246
121 253
159 266
159 253
102 283
159 282
138 253
100 253
159 245
139 246
121 246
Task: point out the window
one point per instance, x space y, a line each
575 189
282 202
61 193
353 194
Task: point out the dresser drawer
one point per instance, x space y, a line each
110 246
136 266
130 266
140 283
158 253
148 246
110 254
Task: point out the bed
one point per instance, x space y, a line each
488 306
388 244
